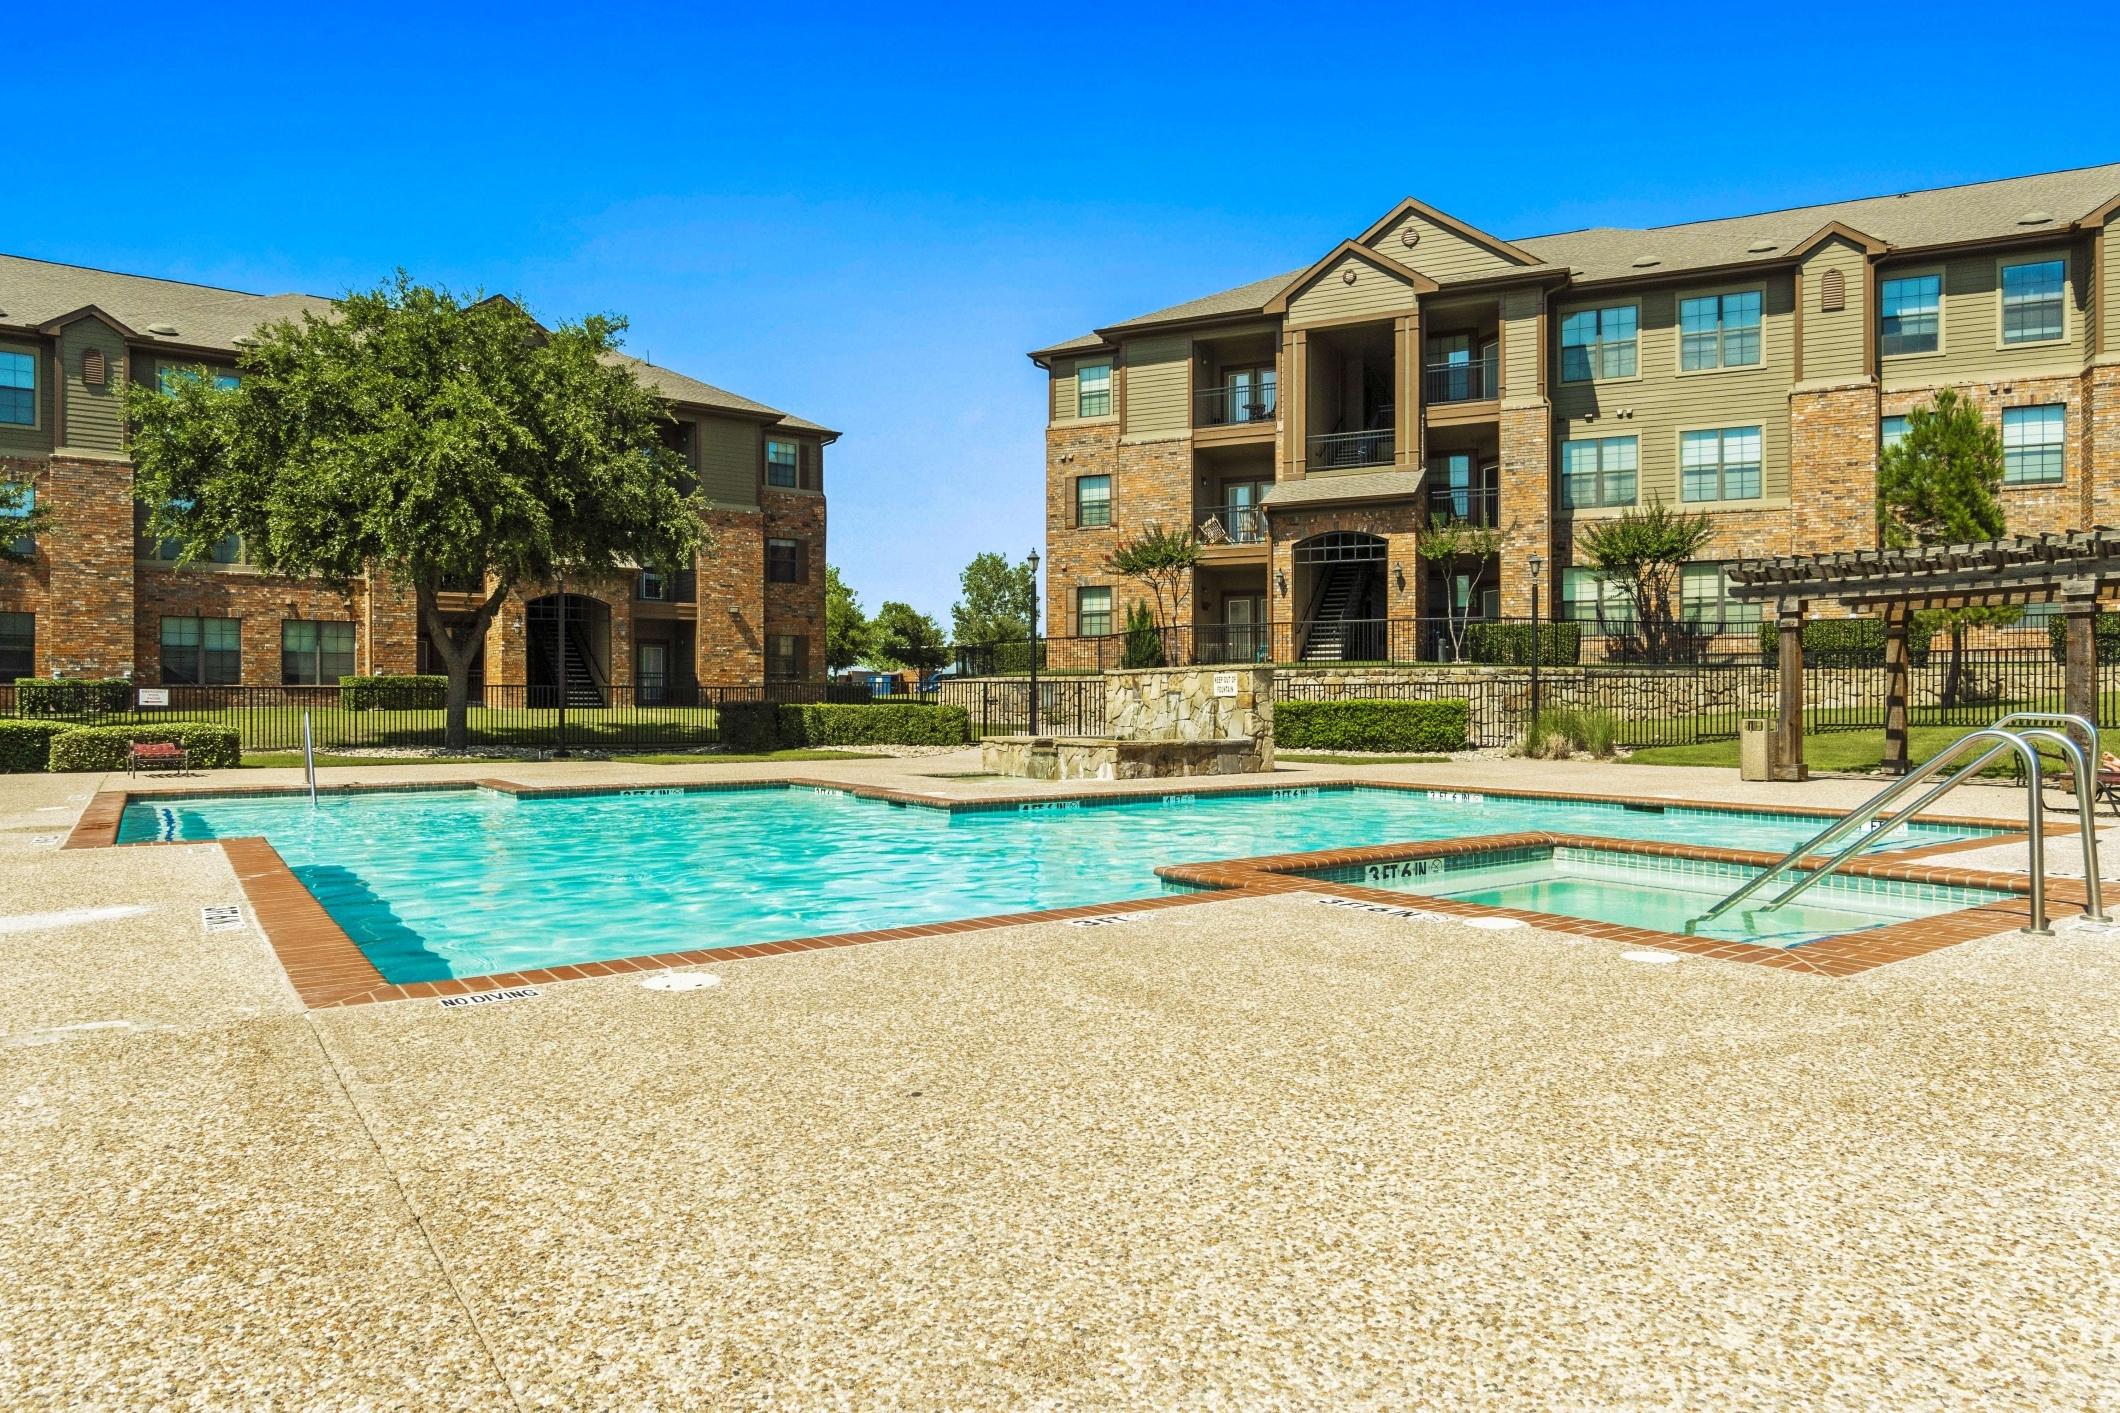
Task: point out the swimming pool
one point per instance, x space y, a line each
456 883
1661 894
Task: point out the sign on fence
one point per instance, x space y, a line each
154 696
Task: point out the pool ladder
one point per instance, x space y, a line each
309 759
2015 734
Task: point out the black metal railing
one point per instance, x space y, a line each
1235 404
1334 449
681 587
1067 706
1232 524
1475 381
1465 505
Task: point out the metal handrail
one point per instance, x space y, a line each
2079 757
309 758
1869 810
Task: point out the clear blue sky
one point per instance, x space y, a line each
867 214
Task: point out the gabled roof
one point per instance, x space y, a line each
1408 206
40 296
1836 230
1346 248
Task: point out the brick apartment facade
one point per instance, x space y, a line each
101 600
1315 425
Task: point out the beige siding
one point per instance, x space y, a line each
37 439
1066 399
95 416
2109 296
1438 252
729 452
1331 298
1834 343
1520 343
1972 322
1158 375
1656 405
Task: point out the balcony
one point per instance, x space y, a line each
1337 451
1477 506
681 587
1236 404
1463 381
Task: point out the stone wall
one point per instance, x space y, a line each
1190 704
1100 758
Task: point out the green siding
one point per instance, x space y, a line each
1330 298
1157 379
2109 296
1066 396
1440 253
1656 405
1972 321
95 416
1520 345
1833 343
38 439
729 457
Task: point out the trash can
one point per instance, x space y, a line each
1755 748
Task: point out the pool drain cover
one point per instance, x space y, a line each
682 981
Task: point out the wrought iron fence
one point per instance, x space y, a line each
1067 706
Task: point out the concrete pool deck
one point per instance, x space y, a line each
1252 1151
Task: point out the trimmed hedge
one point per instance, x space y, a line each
110 747
25 746
762 726
75 696
2105 634
1369 724
1842 642
403 692
1509 644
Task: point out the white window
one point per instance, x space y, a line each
2032 301
1586 599
1719 331
1093 501
1093 612
2031 444
1598 343
1093 390
1598 471
1705 605
1908 315
1719 465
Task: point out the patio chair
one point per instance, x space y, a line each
150 755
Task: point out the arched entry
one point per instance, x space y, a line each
585 650
1339 596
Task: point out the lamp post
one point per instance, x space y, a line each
1034 642
1536 564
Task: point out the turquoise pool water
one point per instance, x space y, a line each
435 884
1663 895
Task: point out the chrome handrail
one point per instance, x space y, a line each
1875 805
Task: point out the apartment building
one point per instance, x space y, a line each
1313 426
101 599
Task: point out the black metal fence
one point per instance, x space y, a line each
1067 706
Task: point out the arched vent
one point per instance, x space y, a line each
93 371
1832 292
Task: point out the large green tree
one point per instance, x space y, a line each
902 636
431 439
1940 484
996 607
846 627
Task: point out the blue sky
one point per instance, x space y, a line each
867 214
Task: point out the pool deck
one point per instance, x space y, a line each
1251 1151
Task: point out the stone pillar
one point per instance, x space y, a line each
1833 467
1896 686
1788 764
1524 498
2101 437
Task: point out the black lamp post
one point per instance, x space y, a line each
559 668
1034 642
1536 564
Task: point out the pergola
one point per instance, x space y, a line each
2072 570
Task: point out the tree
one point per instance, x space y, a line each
22 519
1449 543
1163 560
1940 486
429 438
1640 552
1144 644
846 627
902 636
996 607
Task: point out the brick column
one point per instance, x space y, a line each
86 626
1525 498
390 626
1833 467
730 646
2101 439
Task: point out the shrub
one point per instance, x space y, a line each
1368 724
81 696
763 726
1842 642
1509 644
2105 635
109 747
1561 732
405 692
26 745
1144 643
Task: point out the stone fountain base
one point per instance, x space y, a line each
1106 758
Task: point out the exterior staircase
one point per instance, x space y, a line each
1326 640
582 688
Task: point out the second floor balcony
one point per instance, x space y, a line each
1334 451
1475 505
1236 404
1232 523
681 587
1461 380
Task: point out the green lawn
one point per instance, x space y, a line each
1830 750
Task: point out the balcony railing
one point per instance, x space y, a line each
1233 524
1462 382
1236 403
681 587
1465 505
1329 450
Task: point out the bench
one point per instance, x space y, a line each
150 755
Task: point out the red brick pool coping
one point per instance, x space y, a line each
327 969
